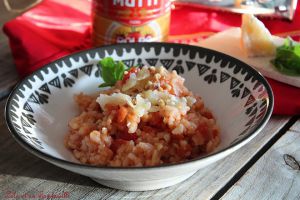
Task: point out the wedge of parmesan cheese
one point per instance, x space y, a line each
114 99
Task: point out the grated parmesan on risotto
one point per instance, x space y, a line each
149 118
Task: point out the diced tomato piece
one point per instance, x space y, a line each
203 129
130 71
215 132
111 107
148 129
126 136
208 114
177 137
116 144
183 152
122 113
156 119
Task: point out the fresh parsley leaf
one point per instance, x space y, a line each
287 59
105 85
111 71
120 69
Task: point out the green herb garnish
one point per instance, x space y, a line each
111 71
287 59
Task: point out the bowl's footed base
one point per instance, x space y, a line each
143 185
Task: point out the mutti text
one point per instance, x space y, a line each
135 3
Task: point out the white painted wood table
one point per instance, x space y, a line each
266 168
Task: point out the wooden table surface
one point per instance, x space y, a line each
256 171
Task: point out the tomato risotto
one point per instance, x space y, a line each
148 118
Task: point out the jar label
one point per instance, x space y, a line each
126 21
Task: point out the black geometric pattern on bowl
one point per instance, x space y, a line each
257 107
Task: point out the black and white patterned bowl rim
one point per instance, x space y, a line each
19 125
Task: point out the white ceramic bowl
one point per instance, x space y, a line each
40 106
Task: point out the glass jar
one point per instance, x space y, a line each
127 21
